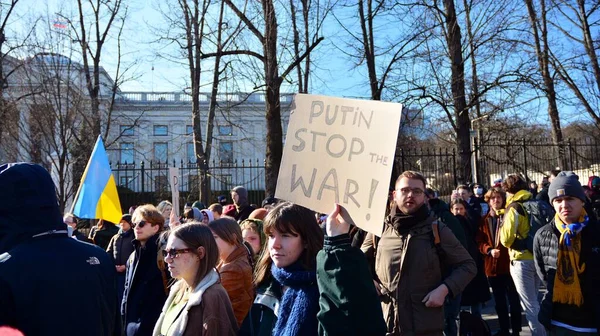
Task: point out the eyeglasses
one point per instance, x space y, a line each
174 253
414 191
140 224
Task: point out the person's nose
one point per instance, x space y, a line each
276 243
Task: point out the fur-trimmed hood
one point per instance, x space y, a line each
194 299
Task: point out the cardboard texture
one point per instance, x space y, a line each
174 182
340 150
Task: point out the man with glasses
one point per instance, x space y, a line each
409 258
145 284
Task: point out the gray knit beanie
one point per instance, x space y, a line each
566 183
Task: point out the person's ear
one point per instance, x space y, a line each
201 252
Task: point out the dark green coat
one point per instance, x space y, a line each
348 301
261 318
442 211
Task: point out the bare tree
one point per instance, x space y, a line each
8 64
270 59
98 22
199 39
49 105
580 71
539 31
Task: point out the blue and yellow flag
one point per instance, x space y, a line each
97 196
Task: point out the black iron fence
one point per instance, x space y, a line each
148 183
533 159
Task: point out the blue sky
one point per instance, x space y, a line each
335 76
333 72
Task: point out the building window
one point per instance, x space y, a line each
189 130
126 152
127 130
225 130
124 181
161 150
226 151
161 130
191 156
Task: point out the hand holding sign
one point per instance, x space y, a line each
340 151
335 223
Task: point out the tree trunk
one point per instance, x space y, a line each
366 25
273 109
463 140
542 53
213 101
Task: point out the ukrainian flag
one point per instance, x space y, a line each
97 196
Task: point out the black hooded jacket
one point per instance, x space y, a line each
43 272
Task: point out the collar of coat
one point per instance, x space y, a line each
195 298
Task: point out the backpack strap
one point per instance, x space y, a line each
519 208
435 228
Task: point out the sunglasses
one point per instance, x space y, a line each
141 224
174 253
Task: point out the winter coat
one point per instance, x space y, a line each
408 268
475 209
144 293
50 284
236 277
80 236
121 246
489 239
208 311
442 211
243 213
515 225
261 318
102 236
543 194
348 301
477 291
545 248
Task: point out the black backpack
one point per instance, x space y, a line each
471 325
539 213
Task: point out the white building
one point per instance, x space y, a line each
156 128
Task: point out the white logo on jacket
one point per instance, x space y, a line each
93 261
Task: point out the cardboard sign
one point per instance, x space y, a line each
174 182
340 151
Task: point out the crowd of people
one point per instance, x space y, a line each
282 269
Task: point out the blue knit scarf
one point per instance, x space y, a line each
300 302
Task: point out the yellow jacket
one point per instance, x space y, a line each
516 225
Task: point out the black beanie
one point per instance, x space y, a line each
566 183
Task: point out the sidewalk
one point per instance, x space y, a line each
488 313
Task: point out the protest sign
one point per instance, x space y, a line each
340 151
174 182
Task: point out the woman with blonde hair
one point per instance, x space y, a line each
197 303
235 265
165 208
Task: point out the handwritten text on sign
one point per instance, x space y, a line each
340 150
